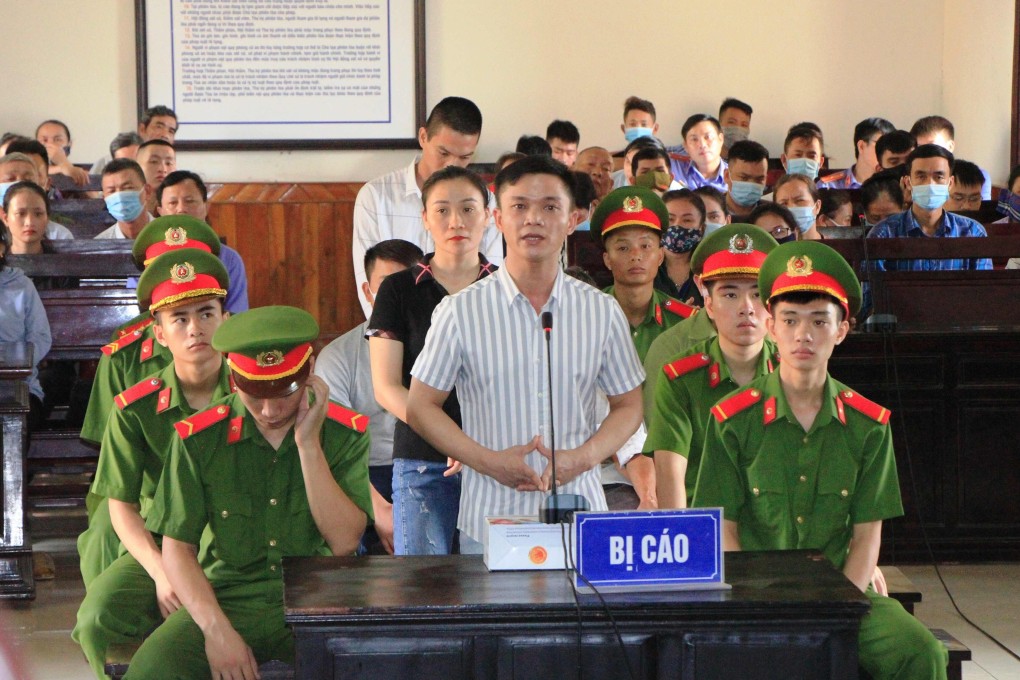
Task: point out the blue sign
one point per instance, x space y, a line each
658 549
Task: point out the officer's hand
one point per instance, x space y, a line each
166 597
509 468
310 416
569 465
230 657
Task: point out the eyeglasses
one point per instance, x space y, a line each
781 232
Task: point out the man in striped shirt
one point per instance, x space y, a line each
488 342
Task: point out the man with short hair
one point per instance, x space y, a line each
625 176
930 180
390 206
941 131
345 366
158 122
649 168
488 342
19 167
703 142
638 119
803 150
564 137
966 191
597 163
39 155
745 176
866 135
735 119
157 159
126 194
892 149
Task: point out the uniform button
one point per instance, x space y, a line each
272 501
272 567
755 491
224 514
221 410
155 381
755 393
704 357
803 478
844 493
800 520
274 461
804 440
272 543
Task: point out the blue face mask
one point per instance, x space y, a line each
125 206
712 226
805 216
4 186
802 166
1009 205
584 226
630 134
930 196
746 194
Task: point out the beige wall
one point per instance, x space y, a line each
528 61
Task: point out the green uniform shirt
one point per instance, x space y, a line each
251 496
663 314
788 489
676 341
117 371
138 437
681 413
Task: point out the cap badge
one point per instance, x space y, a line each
799 265
176 236
741 244
182 273
633 204
273 357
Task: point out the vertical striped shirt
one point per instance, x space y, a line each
487 341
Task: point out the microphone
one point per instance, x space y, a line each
557 507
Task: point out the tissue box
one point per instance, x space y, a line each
524 543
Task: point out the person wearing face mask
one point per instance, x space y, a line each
745 177
56 137
716 215
125 193
735 119
880 197
930 180
797 193
686 229
804 150
866 136
703 141
650 169
941 131
625 175
778 221
638 119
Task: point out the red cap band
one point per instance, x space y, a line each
169 292
270 365
815 282
160 247
726 263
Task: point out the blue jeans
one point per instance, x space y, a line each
425 507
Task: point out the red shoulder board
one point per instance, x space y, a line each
139 326
146 352
201 421
833 177
347 417
869 408
683 366
121 343
735 404
680 309
136 392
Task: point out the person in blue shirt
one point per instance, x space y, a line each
940 130
930 180
703 141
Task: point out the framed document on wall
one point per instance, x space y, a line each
285 74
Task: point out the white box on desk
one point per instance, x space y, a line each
517 543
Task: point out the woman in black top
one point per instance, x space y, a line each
426 484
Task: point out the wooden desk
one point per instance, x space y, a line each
789 614
15 544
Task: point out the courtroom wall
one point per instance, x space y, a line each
528 61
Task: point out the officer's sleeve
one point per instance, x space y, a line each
442 357
877 495
621 369
658 353
720 483
366 234
669 423
106 385
348 461
178 510
121 464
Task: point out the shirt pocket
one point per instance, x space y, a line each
303 537
768 506
233 527
836 487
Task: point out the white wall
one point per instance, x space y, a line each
528 61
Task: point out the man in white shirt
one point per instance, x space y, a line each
390 206
125 193
488 341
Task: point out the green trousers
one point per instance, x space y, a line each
98 545
893 645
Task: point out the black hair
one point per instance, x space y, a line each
638 104
584 190
54 121
8 136
930 151
535 165
509 156
790 178
392 250
805 130
732 103
457 113
563 129
967 174
1014 175
178 176
833 200
19 187
5 247
696 119
452 172
868 128
779 211
30 147
644 142
154 111
748 151
533 145
885 183
932 125
122 164
689 196
709 191
124 139
647 153
155 142
580 274
897 141
805 297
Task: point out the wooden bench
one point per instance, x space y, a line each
85 217
118 658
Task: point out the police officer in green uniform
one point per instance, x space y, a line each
274 470
728 261
799 460
133 352
184 290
